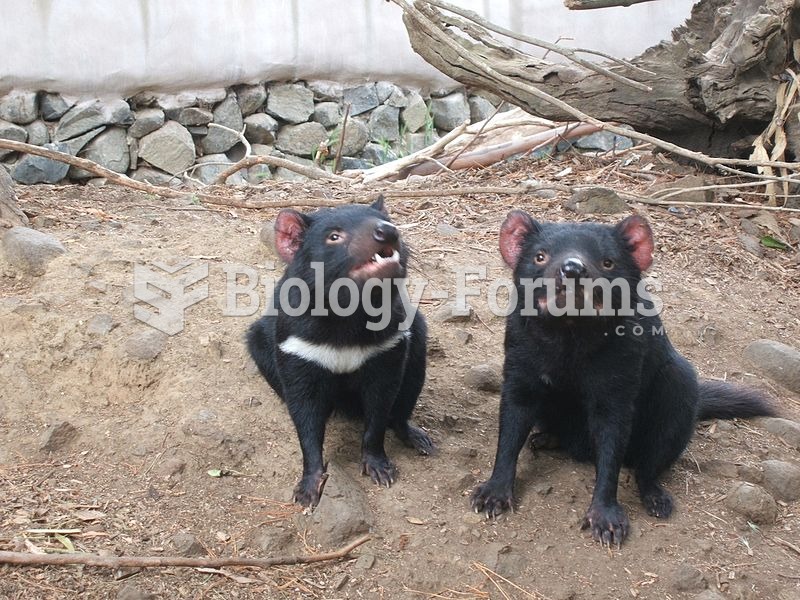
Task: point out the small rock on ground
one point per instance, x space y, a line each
596 200
186 544
131 592
778 361
686 578
753 502
787 430
682 186
343 511
448 313
57 436
486 378
782 479
146 344
30 250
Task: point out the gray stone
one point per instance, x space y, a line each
271 539
682 186
10 131
596 200
450 111
101 324
343 512
76 144
415 114
326 91
58 436
782 479
38 169
365 562
227 114
19 107
260 128
53 106
30 250
348 163
208 173
109 150
301 140
384 124
604 141
91 114
328 114
169 148
480 108
361 99
378 154
204 98
686 578
786 430
384 90
779 362
484 378
154 177
147 120
356 136
448 313
398 98
191 116
38 134
145 345
131 592
753 502
720 468
291 102
250 97
186 544
447 229
751 244
9 203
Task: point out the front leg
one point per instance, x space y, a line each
517 413
610 420
310 406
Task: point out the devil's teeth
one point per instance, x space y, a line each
380 259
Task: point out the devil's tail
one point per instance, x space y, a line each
721 400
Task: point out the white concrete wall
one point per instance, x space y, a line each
96 47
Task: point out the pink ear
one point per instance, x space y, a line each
515 229
639 236
290 229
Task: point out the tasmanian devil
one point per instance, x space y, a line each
606 385
322 347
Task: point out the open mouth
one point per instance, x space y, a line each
384 263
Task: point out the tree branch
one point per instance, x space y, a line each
117 562
589 4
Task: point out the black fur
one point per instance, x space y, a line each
384 390
607 398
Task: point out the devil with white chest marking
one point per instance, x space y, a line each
340 356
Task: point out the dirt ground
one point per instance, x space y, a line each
148 431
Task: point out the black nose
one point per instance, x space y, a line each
573 268
386 233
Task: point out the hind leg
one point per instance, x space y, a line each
666 423
413 380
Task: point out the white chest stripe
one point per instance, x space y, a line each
338 359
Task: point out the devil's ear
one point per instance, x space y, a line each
379 205
517 226
290 230
637 234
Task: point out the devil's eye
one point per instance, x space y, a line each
334 236
540 258
608 264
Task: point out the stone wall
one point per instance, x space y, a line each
168 138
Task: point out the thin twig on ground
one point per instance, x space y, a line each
117 562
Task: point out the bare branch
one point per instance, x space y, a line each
117 562
310 172
589 4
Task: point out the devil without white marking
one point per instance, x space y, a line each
339 359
